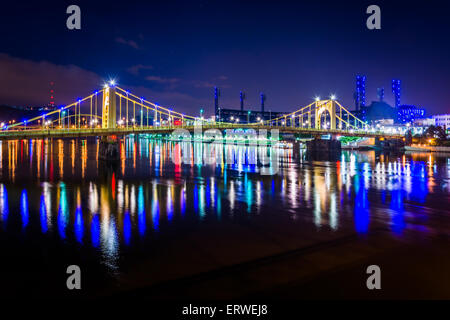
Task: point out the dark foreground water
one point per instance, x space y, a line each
145 219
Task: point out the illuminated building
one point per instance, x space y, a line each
396 90
424 122
360 93
442 120
408 113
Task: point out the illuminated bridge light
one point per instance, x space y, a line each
306 116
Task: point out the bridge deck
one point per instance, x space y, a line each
90 132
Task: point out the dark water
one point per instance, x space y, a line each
146 219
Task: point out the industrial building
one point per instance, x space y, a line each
409 113
380 110
242 115
396 90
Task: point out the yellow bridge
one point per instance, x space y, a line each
120 112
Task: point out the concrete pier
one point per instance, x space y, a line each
323 146
109 149
390 144
323 150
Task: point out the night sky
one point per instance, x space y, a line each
175 52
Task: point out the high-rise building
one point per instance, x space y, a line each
396 90
360 93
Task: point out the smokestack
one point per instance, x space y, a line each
263 98
380 94
242 97
216 99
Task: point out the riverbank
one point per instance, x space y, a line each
425 148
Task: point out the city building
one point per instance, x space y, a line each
424 122
442 120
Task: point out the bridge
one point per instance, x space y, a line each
113 111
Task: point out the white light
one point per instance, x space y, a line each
112 82
332 97
317 98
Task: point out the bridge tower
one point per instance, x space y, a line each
109 108
321 107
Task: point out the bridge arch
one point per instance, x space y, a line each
325 106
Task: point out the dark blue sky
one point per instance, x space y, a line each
173 52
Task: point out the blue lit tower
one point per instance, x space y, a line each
263 98
396 90
216 101
241 98
360 93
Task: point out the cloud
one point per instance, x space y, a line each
217 81
203 84
27 82
162 80
137 68
130 43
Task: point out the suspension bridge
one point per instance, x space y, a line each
113 111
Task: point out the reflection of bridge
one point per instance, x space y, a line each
121 113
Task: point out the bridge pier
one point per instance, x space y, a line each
390 144
320 146
296 149
109 148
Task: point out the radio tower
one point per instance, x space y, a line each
52 95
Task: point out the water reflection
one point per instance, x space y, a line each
109 207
